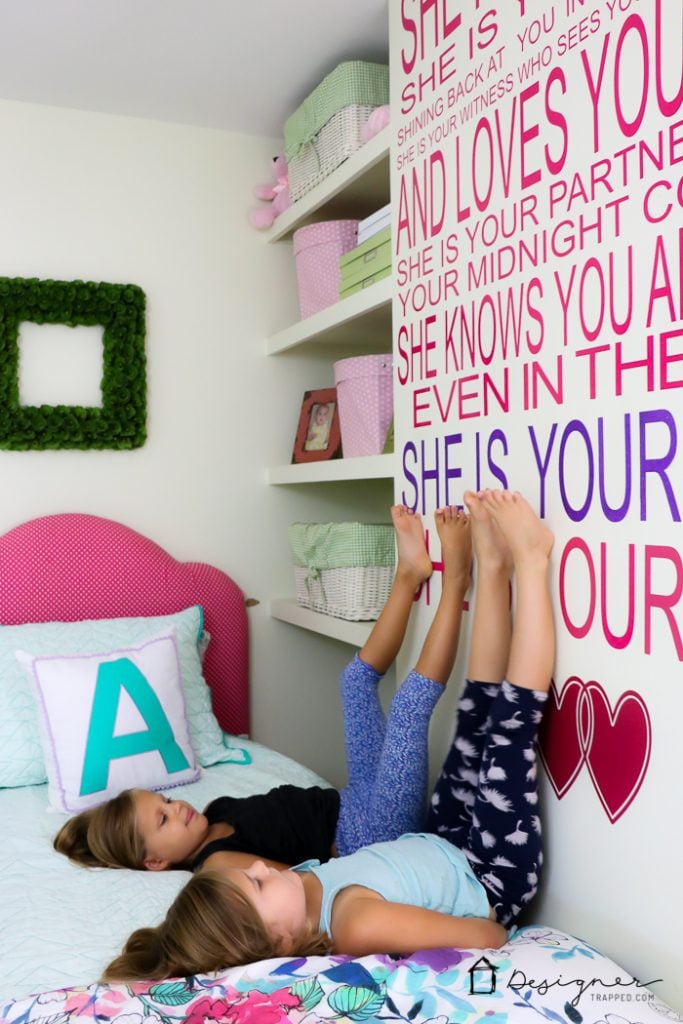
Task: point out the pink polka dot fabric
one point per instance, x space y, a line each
67 567
366 403
317 248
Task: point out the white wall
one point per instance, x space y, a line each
115 199
560 126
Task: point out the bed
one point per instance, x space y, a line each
62 923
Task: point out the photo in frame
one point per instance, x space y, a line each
318 435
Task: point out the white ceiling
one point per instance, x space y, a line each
240 65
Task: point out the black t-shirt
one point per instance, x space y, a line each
289 824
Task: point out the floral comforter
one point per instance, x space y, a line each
541 974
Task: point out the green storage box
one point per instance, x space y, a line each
366 260
327 127
367 282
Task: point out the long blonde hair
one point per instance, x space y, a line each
104 836
210 926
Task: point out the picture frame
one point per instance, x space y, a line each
318 435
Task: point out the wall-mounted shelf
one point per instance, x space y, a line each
287 610
356 188
365 467
360 322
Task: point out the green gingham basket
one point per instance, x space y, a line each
326 128
343 569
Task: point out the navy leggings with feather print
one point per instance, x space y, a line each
485 800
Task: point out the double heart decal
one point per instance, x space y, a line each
580 727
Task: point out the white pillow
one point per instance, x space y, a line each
21 755
112 720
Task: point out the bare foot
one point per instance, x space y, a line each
490 546
529 539
453 528
413 559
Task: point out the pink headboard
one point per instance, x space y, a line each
66 567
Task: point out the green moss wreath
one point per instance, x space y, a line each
120 421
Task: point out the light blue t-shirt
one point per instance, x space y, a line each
419 869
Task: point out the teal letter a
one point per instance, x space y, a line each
102 746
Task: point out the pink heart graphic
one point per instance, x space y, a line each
580 725
617 744
560 747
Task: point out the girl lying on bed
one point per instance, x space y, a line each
461 887
388 764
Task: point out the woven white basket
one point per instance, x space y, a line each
357 593
334 143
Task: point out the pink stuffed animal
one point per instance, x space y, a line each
275 194
379 118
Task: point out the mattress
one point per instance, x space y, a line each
62 923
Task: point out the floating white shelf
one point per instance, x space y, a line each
359 185
359 324
364 467
287 610
362 321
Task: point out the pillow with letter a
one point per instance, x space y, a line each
22 762
112 721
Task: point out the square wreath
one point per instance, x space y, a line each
120 422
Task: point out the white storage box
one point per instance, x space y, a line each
343 569
376 222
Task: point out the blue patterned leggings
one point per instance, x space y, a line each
387 757
486 798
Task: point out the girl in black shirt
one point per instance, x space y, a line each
386 757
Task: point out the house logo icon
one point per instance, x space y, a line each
482 977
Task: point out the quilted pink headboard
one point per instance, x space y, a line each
66 567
